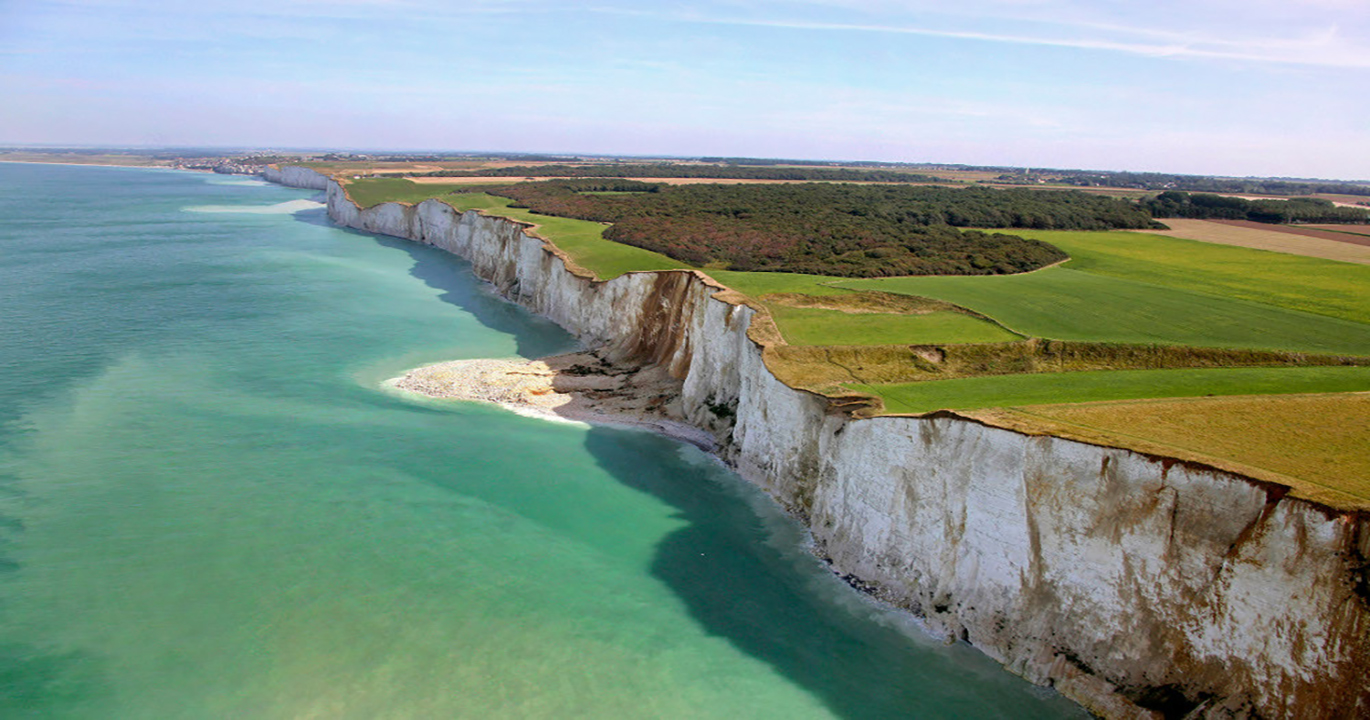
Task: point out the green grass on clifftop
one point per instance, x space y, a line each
581 239
1078 387
1065 304
815 327
370 192
1324 287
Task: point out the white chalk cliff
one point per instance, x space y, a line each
1125 580
295 176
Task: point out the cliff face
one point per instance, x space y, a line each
1127 581
293 176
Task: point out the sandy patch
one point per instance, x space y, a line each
1268 237
285 208
581 387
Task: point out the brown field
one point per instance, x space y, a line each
1303 230
663 181
959 175
1354 229
1316 444
1270 237
369 167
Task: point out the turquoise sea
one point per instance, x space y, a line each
209 508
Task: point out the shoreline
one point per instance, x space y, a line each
579 386
112 165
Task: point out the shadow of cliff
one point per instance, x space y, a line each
758 596
533 336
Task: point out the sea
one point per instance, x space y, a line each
212 507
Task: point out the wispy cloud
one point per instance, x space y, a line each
1322 46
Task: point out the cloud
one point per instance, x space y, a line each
1192 31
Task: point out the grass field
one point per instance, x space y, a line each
1080 387
757 284
1066 304
1316 442
812 327
1323 287
369 192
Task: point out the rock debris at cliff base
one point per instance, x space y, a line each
579 386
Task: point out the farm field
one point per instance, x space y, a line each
1092 386
1352 229
1224 234
1315 443
1308 284
371 192
1066 304
812 327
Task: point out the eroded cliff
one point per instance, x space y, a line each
1137 585
295 176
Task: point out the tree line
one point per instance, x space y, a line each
1198 183
831 229
1221 207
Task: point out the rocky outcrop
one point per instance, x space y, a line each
1139 586
295 176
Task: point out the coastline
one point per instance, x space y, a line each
110 165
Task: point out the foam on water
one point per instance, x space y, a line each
239 183
284 208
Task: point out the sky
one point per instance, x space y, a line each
1232 87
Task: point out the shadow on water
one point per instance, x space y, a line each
742 589
448 273
35 683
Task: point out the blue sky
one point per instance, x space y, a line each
1250 87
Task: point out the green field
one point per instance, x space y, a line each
370 192
809 326
1295 282
757 284
1078 387
1065 304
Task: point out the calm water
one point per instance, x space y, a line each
209 509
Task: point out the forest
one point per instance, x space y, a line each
826 229
1220 207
